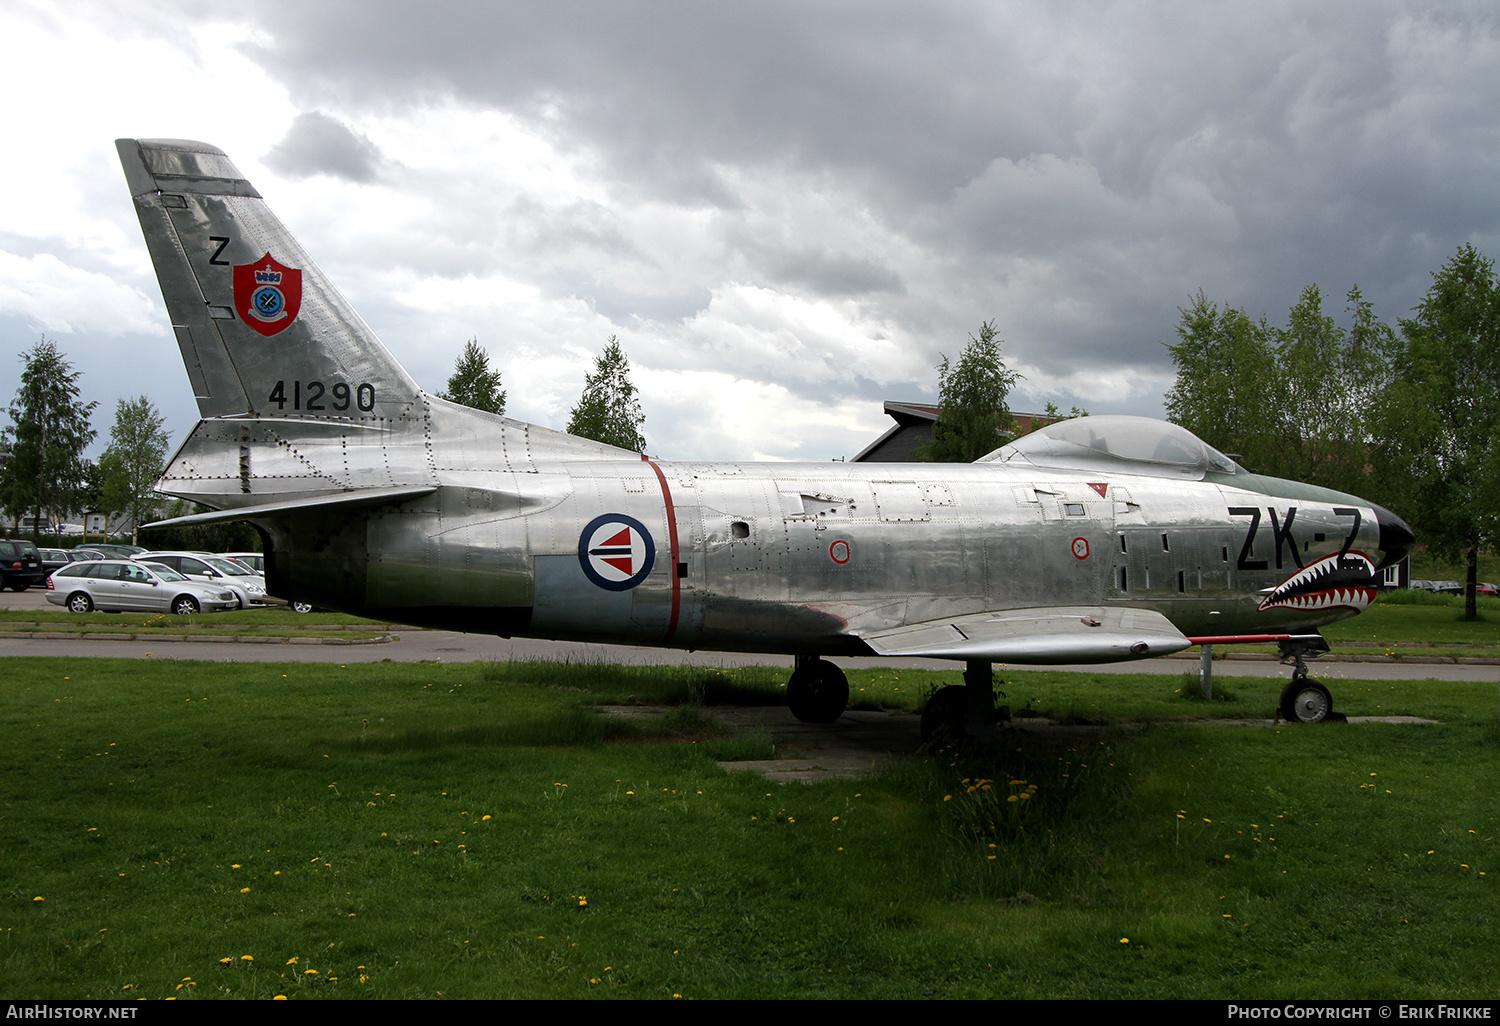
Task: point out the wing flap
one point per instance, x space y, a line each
337 500
1059 634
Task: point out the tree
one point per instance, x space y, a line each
1329 378
974 420
1291 402
608 411
134 460
473 384
1439 415
45 469
1226 390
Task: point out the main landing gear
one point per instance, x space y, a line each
1304 699
966 710
818 691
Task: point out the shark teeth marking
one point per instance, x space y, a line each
1333 582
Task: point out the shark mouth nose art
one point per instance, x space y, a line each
1339 581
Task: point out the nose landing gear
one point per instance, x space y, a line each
1305 699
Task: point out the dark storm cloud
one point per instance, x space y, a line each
1075 172
317 144
835 274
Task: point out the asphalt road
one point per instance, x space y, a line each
413 645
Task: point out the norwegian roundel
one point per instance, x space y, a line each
616 552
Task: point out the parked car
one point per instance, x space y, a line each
249 588
110 550
20 564
254 560
124 585
55 559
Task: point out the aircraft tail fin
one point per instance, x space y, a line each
263 332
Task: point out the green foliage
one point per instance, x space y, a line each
975 419
45 471
1292 402
1225 380
134 460
1439 428
1330 380
1055 413
609 410
473 383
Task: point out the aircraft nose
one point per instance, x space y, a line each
1396 537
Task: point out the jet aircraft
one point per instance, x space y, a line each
1091 540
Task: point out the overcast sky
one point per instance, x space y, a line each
786 212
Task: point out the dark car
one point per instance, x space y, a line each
20 565
55 559
112 551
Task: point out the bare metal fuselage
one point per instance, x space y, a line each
801 558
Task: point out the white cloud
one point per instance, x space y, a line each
61 299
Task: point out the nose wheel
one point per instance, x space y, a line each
1305 699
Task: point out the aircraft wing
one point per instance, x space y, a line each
337 500
1054 634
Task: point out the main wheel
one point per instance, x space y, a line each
184 605
1305 701
946 715
818 692
78 602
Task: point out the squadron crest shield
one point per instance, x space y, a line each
267 295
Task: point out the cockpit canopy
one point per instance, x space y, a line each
1128 445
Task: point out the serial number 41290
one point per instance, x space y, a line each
315 396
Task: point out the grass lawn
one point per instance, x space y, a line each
480 830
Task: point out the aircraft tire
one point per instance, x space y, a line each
946 715
1306 701
818 692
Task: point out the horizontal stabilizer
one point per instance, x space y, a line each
338 500
1063 634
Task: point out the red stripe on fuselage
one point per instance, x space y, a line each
666 494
